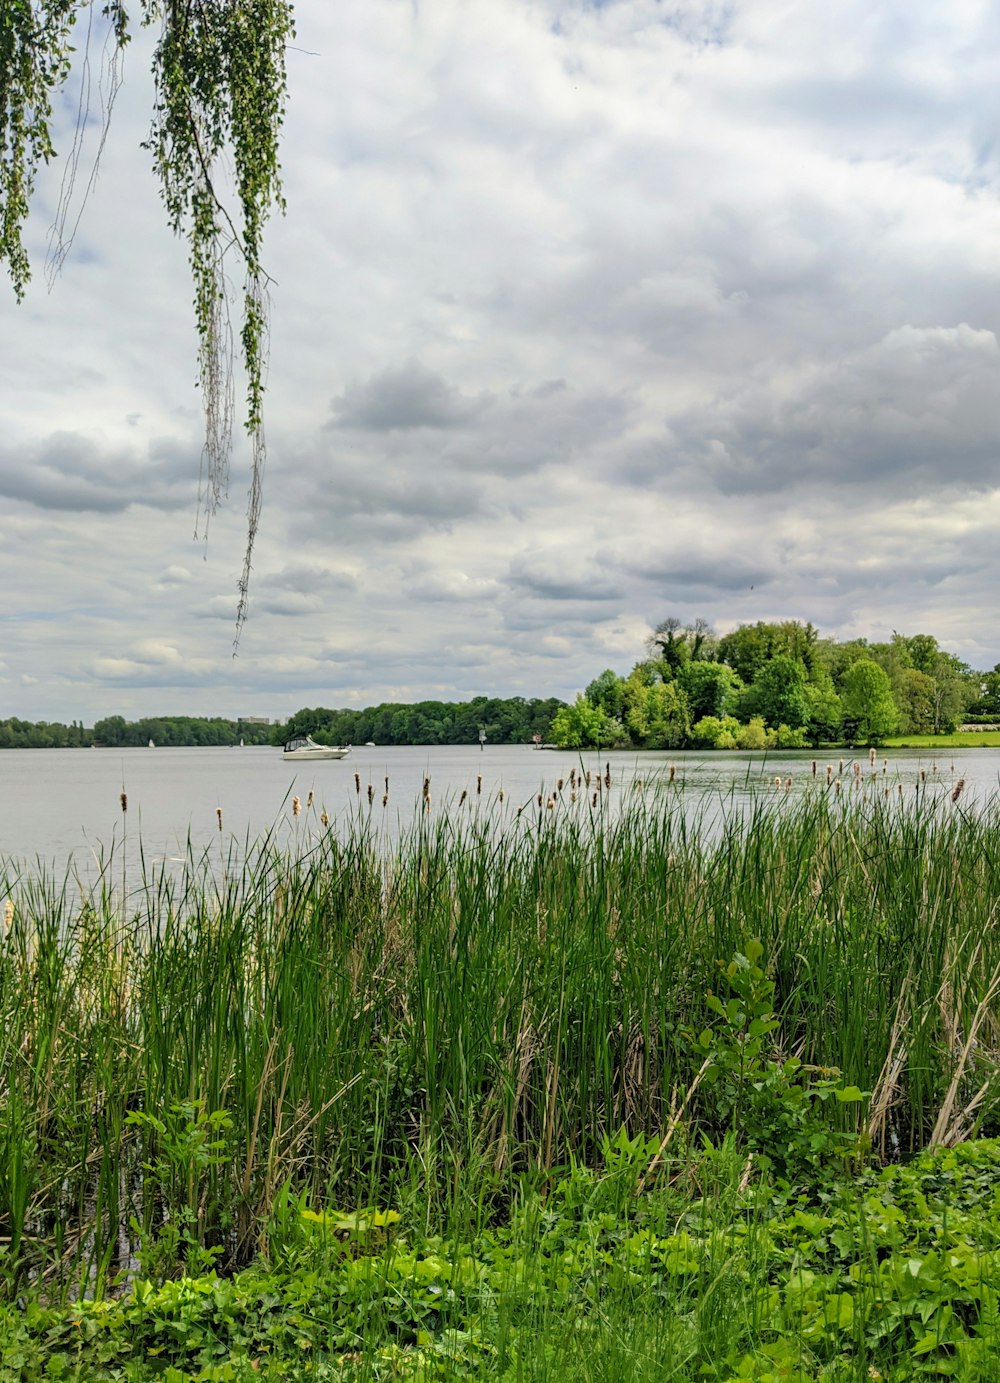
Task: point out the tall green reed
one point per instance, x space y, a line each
429 1017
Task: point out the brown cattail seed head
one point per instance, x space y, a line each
462 798
500 794
385 799
123 799
357 783
324 819
8 913
371 794
958 789
309 799
296 806
218 816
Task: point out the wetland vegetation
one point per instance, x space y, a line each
593 1089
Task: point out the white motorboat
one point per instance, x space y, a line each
305 747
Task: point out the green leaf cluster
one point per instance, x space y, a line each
889 1276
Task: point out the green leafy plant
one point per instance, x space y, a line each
774 1104
186 1146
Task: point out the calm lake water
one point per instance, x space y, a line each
61 808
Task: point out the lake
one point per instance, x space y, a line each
61 807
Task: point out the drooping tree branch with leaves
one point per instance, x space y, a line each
220 91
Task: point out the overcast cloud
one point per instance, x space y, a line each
585 314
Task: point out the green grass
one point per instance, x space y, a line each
969 739
456 1025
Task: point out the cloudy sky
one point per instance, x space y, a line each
586 314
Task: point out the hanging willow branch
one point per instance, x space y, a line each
220 90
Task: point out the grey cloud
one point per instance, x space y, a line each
307 579
69 473
561 579
287 603
919 408
725 571
366 496
408 396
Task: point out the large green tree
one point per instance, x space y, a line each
712 689
868 702
220 88
780 693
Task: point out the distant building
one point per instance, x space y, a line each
256 720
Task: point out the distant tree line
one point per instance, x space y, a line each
116 732
509 720
777 685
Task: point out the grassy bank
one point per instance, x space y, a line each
961 739
575 1022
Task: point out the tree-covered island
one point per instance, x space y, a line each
777 685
